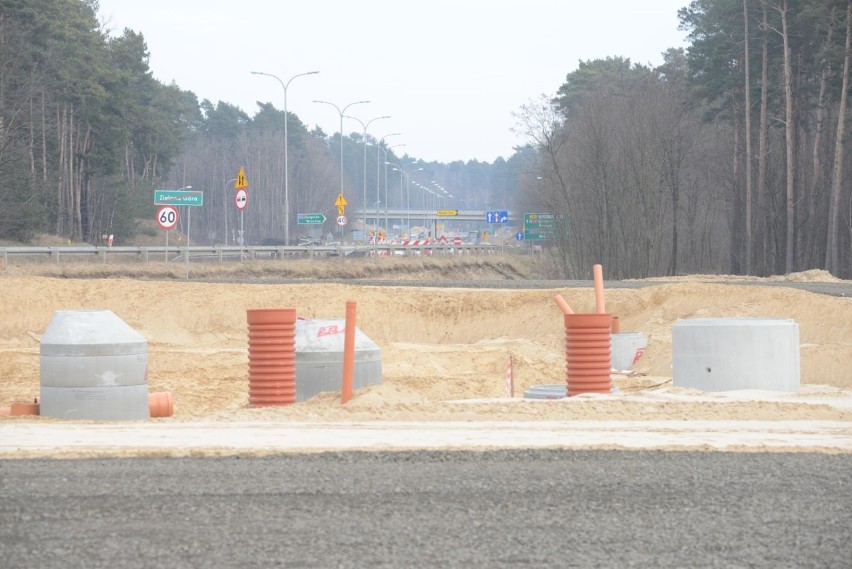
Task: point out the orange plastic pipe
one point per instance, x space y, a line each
616 325
597 270
19 409
560 302
348 352
160 404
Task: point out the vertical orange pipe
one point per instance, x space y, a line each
599 294
272 356
348 352
561 303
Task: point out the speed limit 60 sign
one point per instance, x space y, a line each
167 216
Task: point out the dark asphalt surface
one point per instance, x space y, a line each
431 509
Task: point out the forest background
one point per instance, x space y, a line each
728 158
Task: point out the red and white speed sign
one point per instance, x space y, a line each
167 216
241 199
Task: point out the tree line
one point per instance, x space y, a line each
730 157
87 134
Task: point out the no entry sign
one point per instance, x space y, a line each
241 199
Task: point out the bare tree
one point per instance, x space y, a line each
832 262
747 79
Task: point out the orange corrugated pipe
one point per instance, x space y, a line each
272 356
348 352
597 270
560 302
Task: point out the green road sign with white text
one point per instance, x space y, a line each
539 226
178 197
308 218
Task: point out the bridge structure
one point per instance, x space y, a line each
398 214
429 218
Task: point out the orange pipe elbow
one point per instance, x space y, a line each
560 302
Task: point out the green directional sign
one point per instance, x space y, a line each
308 218
178 197
539 226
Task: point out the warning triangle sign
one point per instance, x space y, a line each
241 181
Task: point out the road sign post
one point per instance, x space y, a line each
167 217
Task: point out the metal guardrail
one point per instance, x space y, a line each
231 253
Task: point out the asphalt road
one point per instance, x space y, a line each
834 288
431 509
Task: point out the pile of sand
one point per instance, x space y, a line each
444 350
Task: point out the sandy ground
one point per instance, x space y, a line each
444 354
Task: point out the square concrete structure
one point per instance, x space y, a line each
319 358
726 354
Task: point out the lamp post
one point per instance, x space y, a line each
365 125
226 210
387 148
341 112
188 232
286 140
379 177
403 172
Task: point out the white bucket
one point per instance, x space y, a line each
627 348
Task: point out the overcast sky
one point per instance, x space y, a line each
450 73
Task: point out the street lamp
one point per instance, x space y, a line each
365 125
341 112
286 140
227 210
379 177
408 198
387 148
407 175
